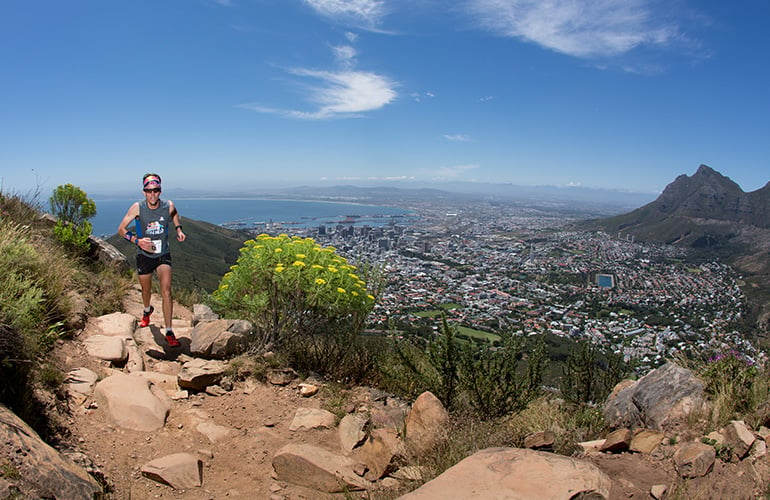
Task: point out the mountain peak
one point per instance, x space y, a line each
691 208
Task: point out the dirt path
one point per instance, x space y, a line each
235 434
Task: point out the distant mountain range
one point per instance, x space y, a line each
711 214
572 199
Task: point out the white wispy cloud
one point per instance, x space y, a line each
345 55
361 13
371 178
452 171
341 94
580 28
457 137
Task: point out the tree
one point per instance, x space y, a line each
72 208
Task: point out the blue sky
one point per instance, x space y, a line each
249 94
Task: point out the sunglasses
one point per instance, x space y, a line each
153 190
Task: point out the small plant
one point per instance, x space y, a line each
724 452
736 387
72 208
9 471
50 376
335 399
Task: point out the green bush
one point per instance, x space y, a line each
590 373
306 301
737 388
419 365
492 380
502 380
288 286
22 290
72 208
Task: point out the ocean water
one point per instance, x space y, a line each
254 213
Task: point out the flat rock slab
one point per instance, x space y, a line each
180 470
131 404
107 348
316 468
311 418
81 380
115 325
517 474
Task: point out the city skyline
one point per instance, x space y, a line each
248 94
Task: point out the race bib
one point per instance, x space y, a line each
157 246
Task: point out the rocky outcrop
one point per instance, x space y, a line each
661 399
47 473
105 252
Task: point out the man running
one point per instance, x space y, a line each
152 217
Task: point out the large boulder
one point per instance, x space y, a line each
660 400
426 423
198 374
219 339
130 402
42 468
517 474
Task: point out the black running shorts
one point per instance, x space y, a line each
146 265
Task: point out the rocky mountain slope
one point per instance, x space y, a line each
705 210
147 425
713 216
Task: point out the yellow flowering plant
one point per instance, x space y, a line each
291 285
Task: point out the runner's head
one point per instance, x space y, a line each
151 182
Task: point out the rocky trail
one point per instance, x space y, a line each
231 433
151 422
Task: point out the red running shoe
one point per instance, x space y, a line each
171 339
146 317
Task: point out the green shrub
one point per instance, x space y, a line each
491 380
417 365
590 373
495 379
737 388
72 208
292 286
306 301
22 294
